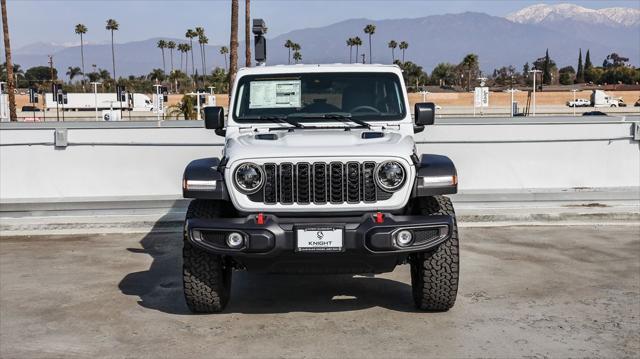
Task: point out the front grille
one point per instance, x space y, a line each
320 183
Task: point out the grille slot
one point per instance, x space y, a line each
304 182
336 182
286 183
321 183
270 183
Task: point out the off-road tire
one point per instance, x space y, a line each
206 277
434 274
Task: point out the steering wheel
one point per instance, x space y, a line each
364 107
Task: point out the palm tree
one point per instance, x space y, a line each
171 45
163 45
288 44
73 72
81 30
297 56
247 33
190 34
104 74
112 26
350 44
403 46
203 41
187 49
183 48
156 74
201 37
392 45
233 44
470 62
224 51
11 86
357 42
370 30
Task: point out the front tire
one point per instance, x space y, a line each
206 277
434 274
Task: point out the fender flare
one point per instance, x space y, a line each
203 179
435 175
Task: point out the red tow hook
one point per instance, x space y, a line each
379 217
260 218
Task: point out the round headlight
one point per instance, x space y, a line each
248 177
390 175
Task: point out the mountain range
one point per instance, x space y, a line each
520 37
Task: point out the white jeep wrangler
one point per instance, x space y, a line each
320 174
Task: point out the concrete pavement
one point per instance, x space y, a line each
535 292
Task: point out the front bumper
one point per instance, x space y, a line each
276 236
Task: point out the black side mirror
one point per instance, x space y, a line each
214 119
425 113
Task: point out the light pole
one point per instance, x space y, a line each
424 95
534 72
95 96
574 101
159 101
3 115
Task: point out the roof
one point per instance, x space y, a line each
305 68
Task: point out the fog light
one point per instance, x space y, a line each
403 238
235 240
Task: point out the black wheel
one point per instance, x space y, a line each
434 274
206 277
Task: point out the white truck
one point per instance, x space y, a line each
320 174
599 98
104 101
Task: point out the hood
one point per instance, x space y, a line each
319 143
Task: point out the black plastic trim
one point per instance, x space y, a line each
435 166
205 169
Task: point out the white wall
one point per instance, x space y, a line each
114 162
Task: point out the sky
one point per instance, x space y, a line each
53 21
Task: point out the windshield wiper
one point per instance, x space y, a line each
336 116
274 118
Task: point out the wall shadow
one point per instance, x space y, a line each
160 286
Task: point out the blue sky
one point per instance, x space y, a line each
53 21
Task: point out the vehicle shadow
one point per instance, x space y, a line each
160 286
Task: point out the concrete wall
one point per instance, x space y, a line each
142 161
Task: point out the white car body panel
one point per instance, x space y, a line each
319 145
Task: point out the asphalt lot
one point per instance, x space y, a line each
532 292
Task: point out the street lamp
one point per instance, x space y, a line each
534 72
574 101
3 115
95 96
424 95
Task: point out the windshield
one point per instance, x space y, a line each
318 97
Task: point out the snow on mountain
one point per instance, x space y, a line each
624 16
543 13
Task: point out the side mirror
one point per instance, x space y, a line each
214 119
425 113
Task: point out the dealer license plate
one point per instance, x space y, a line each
323 239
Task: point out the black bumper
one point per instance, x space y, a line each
368 246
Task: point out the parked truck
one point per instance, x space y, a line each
599 98
104 101
320 174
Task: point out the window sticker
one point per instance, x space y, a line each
274 94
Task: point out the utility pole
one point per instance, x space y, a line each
95 96
534 72
574 101
54 94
